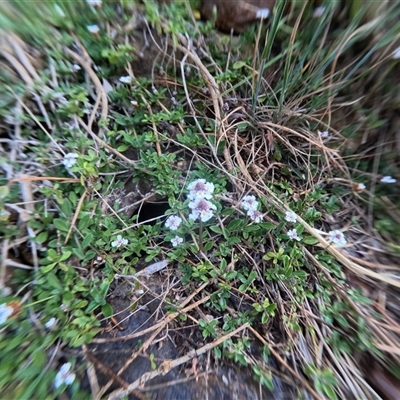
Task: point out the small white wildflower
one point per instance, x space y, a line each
64 376
75 68
201 208
292 234
290 216
396 53
255 215
119 241
324 134
50 323
200 188
249 203
177 240
173 222
5 312
337 238
358 187
70 160
263 13
93 28
125 79
388 179
319 11
95 3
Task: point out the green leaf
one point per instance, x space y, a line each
310 240
238 64
235 224
330 392
79 253
53 281
123 147
267 225
48 268
65 255
66 208
61 224
107 310
233 240
87 240
42 237
216 229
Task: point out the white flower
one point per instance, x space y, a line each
200 188
95 3
50 323
75 68
337 238
290 216
70 160
176 241
64 376
125 79
5 312
396 53
93 28
359 187
263 13
201 208
388 179
324 134
119 242
173 222
292 234
319 11
249 203
255 215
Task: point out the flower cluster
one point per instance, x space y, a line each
5 312
250 204
177 240
337 238
64 376
69 160
201 208
51 323
290 216
173 222
388 179
119 241
200 192
292 234
93 29
200 189
125 79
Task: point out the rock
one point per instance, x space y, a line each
236 14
